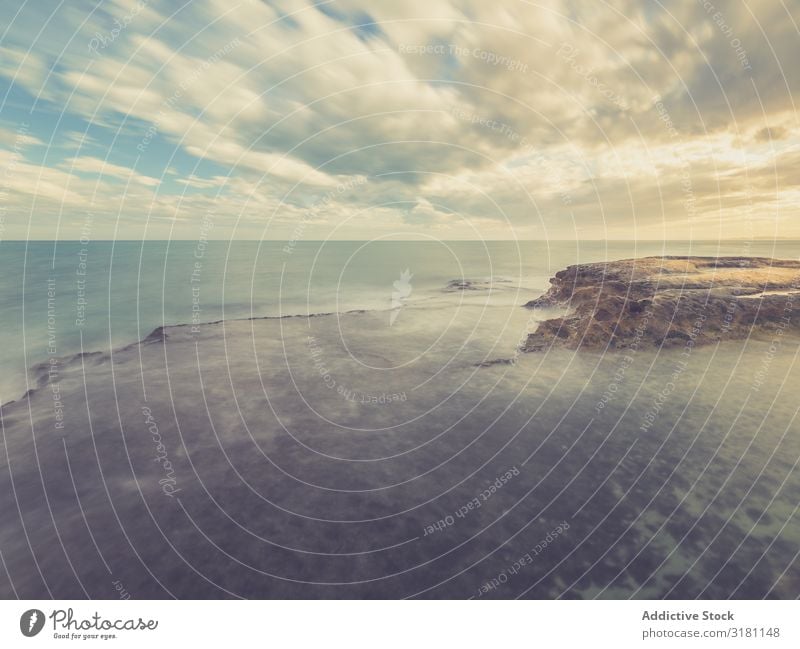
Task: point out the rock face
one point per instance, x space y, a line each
668 301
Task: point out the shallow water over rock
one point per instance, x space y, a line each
341 456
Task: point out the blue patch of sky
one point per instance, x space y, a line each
450 65
113 138
364 26
286 19
15 102
330 10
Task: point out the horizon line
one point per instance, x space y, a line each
295 242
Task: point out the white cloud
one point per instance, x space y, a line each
103 168
201 183
19 139
24 67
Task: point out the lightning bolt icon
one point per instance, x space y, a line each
32 621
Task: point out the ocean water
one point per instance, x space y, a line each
108 294
395 444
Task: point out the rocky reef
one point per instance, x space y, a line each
668 301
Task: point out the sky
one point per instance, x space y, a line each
452 119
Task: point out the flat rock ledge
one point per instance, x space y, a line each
668 301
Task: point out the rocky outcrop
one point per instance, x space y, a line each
666 301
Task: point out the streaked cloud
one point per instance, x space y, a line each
503 119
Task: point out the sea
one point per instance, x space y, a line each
381 433
97 295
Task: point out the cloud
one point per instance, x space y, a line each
18 139
201 183
103 168
23 67
425 213
555 118
768 134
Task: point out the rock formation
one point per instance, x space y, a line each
668 301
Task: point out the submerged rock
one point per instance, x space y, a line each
488 284
668 301
464 285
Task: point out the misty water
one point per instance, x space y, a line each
357 421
